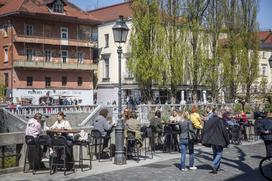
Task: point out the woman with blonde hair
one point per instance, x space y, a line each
186 141
196 121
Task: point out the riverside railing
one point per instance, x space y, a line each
48 110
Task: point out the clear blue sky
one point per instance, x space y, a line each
264 15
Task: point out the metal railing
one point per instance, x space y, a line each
50 65
48 110
53 41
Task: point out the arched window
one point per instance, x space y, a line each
58 6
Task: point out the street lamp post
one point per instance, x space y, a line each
120 32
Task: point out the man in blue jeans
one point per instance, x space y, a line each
215 135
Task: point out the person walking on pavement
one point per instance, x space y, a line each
215 136
196 121
263 127
186 129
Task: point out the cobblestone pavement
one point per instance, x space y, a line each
239 163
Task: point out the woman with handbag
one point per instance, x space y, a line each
187 136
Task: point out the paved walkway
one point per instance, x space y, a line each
239 163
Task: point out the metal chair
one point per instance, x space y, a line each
60 149
86 144
31 147
131 145
148 135
168 138
98 140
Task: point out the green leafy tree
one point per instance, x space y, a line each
194 12
232 55
147 61
249 34
215 17
176 47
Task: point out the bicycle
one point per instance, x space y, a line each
265 167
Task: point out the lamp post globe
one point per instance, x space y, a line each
120 32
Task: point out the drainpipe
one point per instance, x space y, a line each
12 68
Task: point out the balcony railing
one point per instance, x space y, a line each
51 65
53 41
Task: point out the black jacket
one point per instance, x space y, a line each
261 128
185 127
215 133
157 124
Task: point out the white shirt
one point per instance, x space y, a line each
33 128
64 124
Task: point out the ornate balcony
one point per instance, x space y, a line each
53 41
51 65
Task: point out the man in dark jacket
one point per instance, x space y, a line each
215 135
156 125
263 127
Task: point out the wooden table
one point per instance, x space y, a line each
63 131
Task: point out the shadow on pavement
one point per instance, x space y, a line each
252 175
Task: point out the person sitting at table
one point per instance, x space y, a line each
173 123
132 124
174 118
34 129
126 114
156 125
61 123
104 126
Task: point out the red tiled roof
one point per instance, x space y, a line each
265 36
40 7
111 13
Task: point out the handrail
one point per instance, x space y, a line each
87 119
14 115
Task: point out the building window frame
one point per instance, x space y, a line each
6 52
58 7
29 81
64 80
129 74
79 81
29 29
6 79
5 30
80 57
106 40
64 33
47 55
106 69
64 56
47 81
29 54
